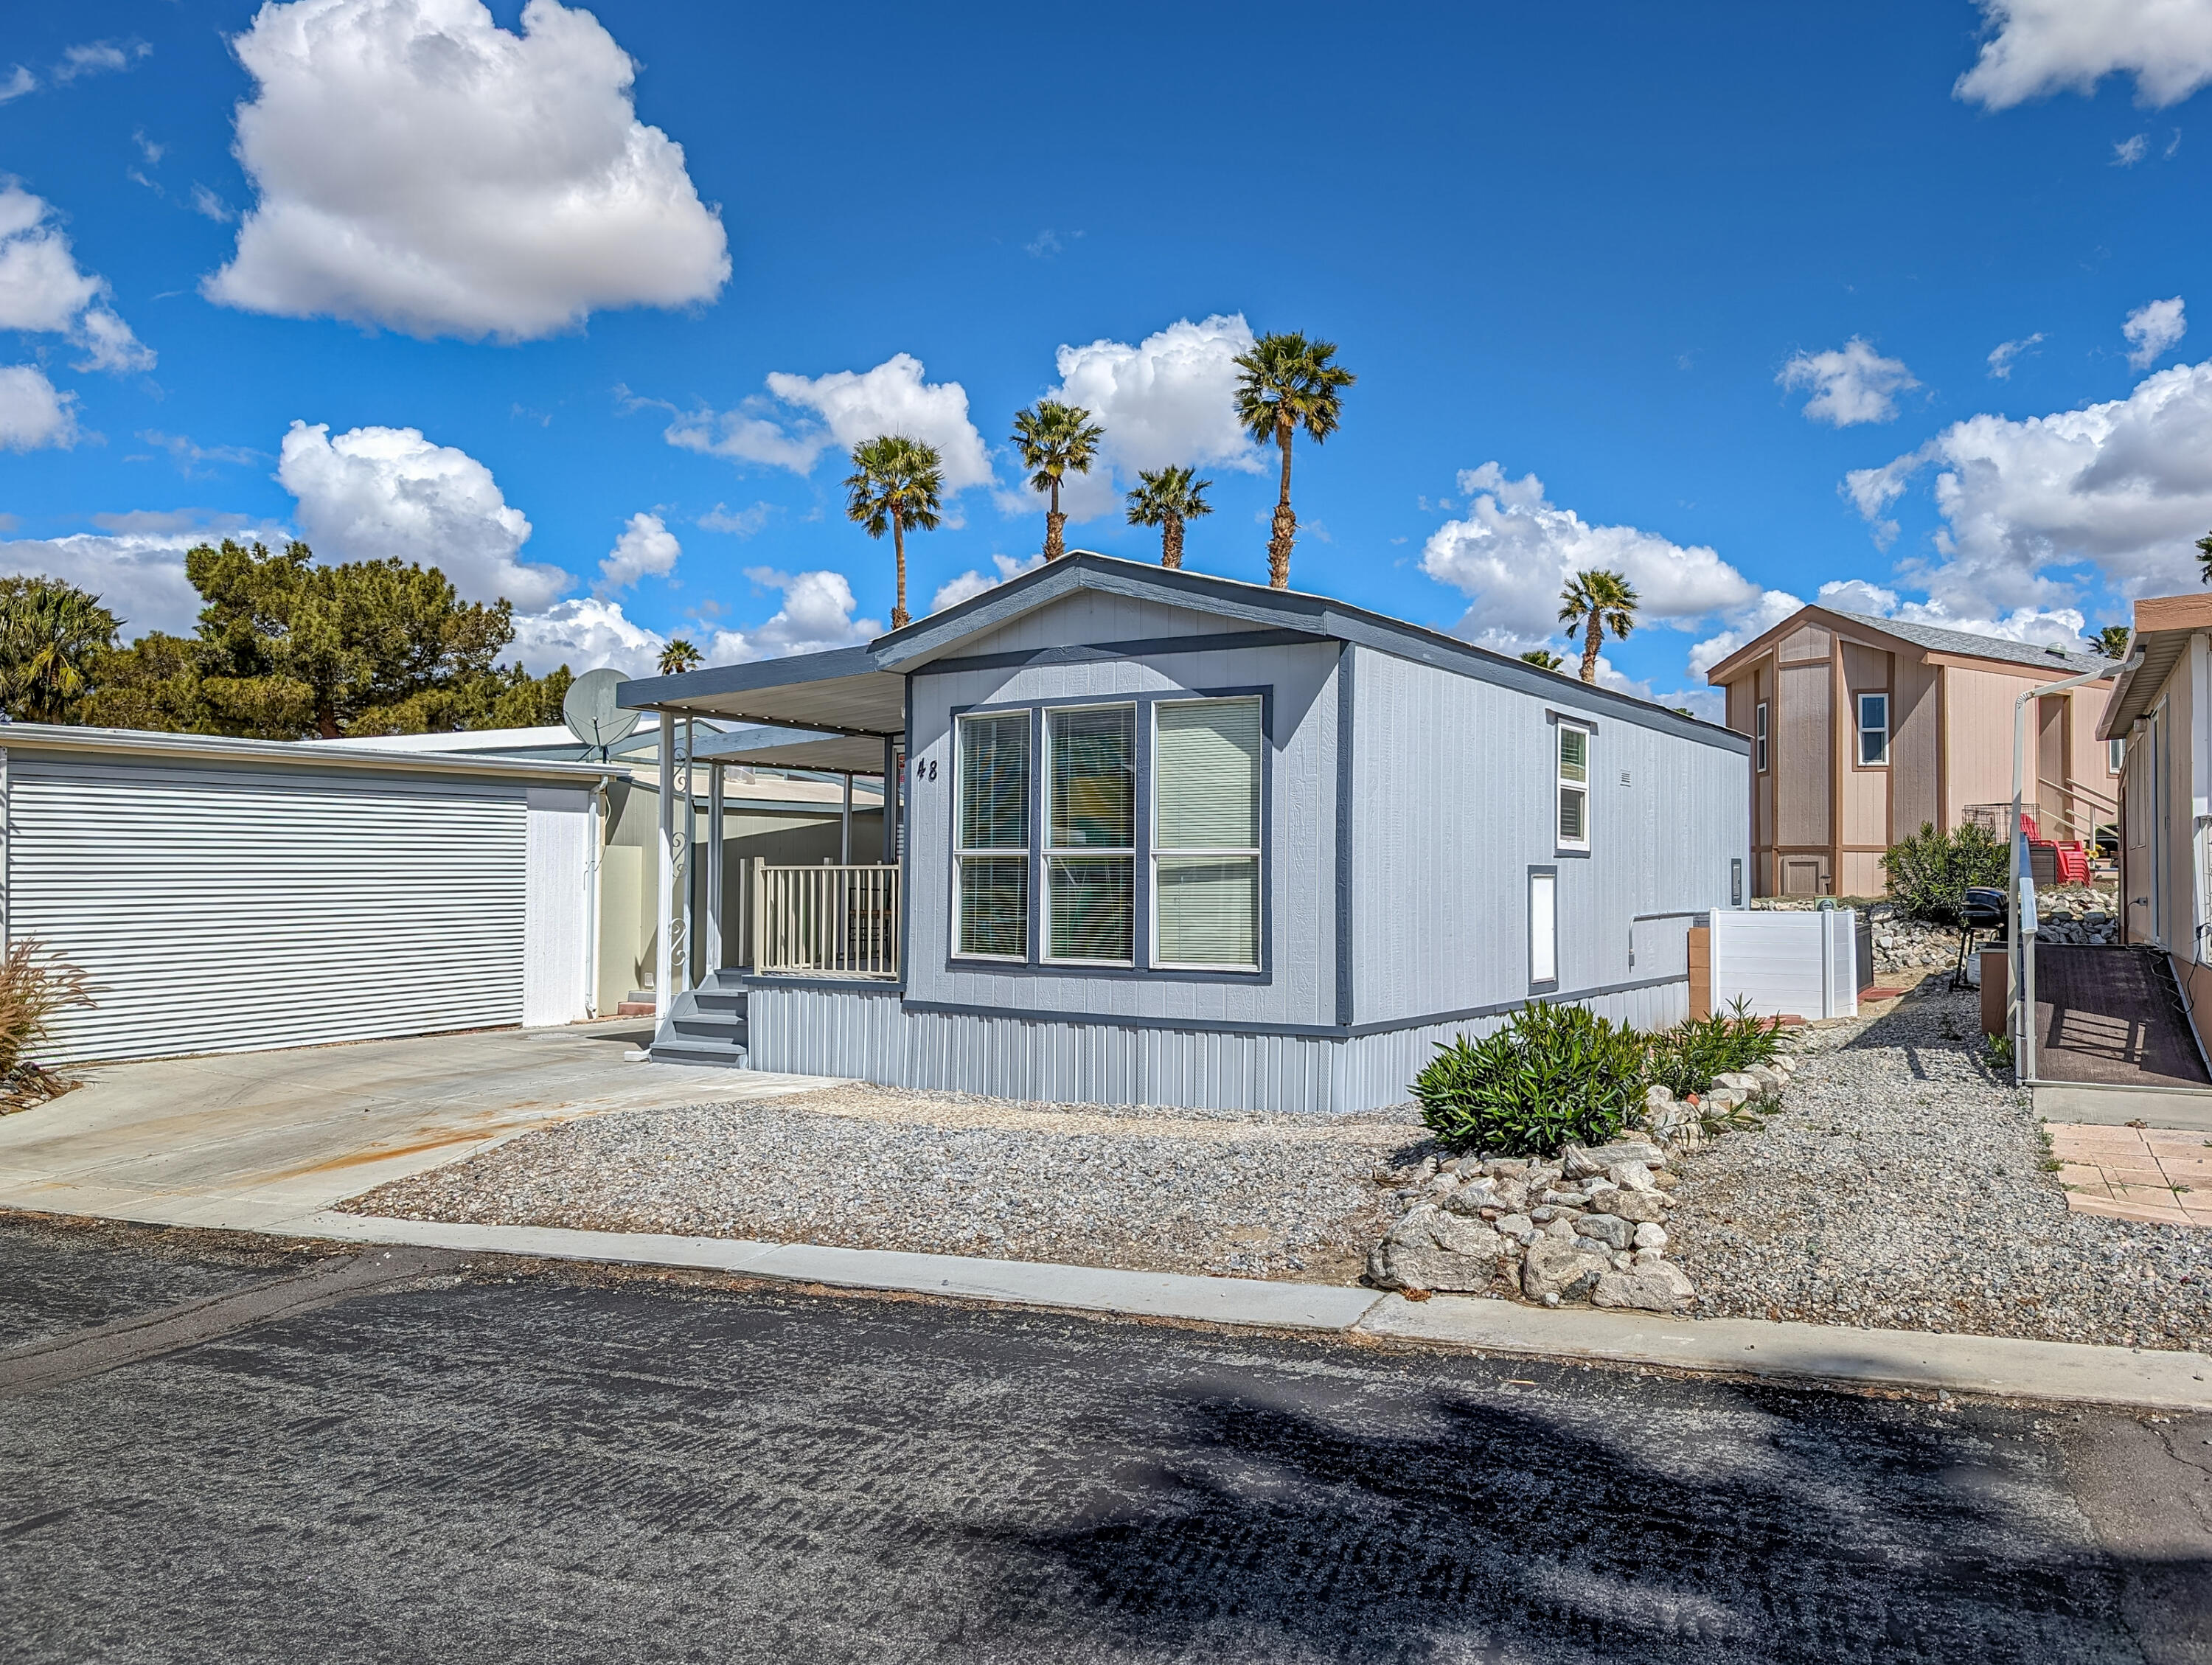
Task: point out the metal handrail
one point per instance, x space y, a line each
2076 789
832 921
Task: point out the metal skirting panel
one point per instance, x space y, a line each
231 909
870 1034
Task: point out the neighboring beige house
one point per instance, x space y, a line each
2161 715
1863 728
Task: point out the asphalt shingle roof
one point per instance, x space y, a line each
1988 648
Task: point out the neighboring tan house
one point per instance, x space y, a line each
1863 729
2158 718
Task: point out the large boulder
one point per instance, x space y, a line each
1582 1164
1612 1231
1432 1248
1652 1286
1568 1269
1634 1206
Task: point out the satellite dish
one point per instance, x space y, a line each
590 712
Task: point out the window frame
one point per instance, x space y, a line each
1146 965
962 854
1257 854
1759 732
1047 851
1561 785
1860 729
1548 877
2116 755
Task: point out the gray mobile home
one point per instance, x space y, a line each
1175 840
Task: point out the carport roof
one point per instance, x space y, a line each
792 748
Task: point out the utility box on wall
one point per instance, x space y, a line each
1780 964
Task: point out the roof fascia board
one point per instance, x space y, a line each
2151 658
2057 672
657 693
41 737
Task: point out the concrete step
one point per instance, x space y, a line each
706 1055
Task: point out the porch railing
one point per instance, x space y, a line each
827 921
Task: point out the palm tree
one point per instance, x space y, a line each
2112 641
897 483
53 635
1166 497
1288 383
1543 659
679 656
1595 602
1054 439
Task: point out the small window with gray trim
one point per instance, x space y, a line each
1573 786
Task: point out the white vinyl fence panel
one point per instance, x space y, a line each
221 908
1801 964
557 912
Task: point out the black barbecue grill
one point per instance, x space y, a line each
1982 909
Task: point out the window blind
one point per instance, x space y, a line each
993 911
1091 899
1206 795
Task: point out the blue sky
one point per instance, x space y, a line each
1707 293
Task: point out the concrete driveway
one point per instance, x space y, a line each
258 1140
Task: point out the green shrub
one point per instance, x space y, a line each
1552 1075
1930 872
1685 1059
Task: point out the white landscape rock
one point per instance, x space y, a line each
1432 1248
1555 1271
1656 1286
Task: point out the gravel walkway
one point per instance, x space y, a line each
1155 1190
1902 1186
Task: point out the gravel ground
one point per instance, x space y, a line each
1902 1186
1155 1190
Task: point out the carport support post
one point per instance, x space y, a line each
687 858
713 868
845 826
891 801
664 958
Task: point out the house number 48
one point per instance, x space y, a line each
926 770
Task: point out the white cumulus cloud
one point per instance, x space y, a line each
2125 486
585 634
135 563
1851 384
1513 551
33 414
2151 329
1168 399
420 167
818 614
44 292
1748 623
2039 46
2130 151
803 417
645 547
973 583
377 492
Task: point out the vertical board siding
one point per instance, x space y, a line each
1453 804
231 909
868 1034
1300 837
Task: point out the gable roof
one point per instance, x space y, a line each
1970 644
1929 638
874 675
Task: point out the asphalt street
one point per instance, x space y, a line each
212 1451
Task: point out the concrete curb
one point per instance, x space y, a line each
2056 1371
1030 1283
2063 1371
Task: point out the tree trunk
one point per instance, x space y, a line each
1285 530
326 721
1171 541
898 545
1592 639
1055 539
